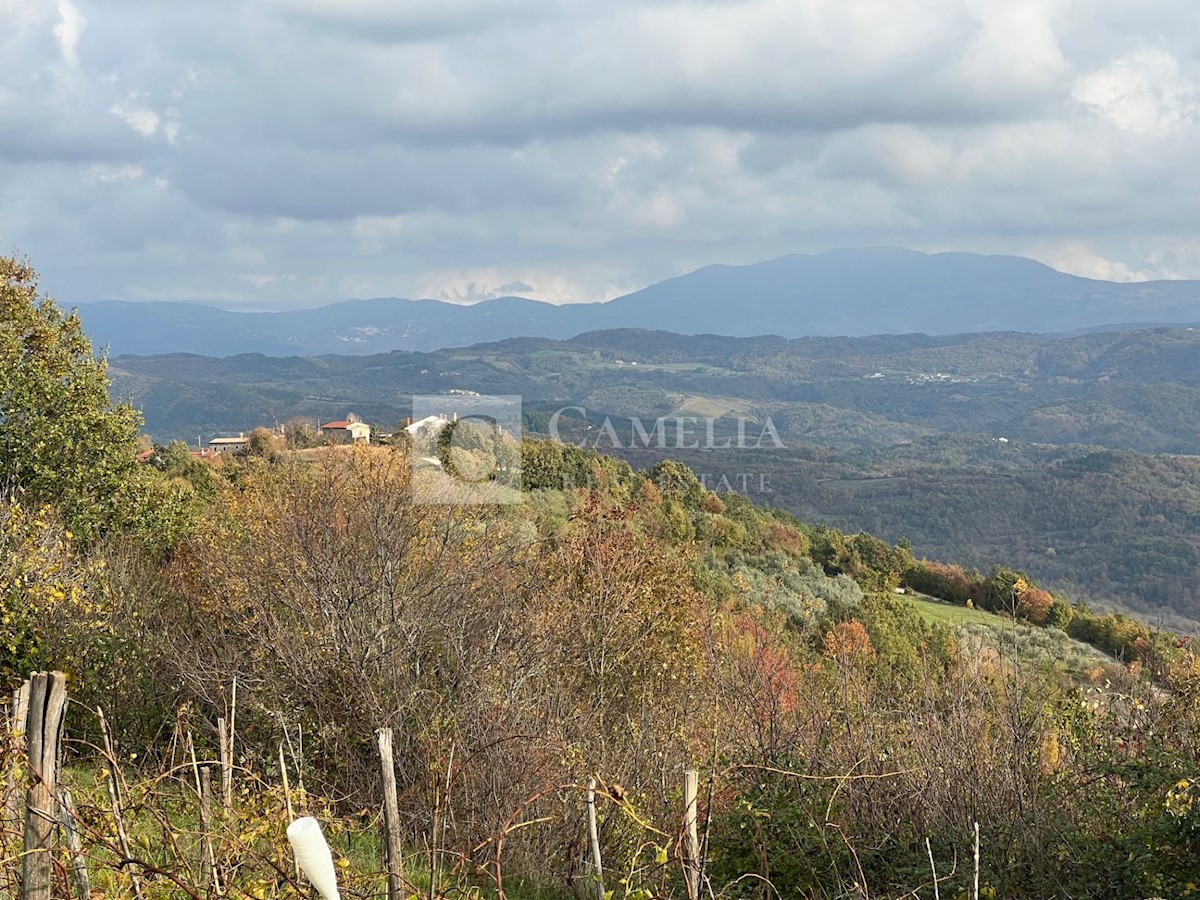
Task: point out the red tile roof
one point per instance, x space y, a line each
336 425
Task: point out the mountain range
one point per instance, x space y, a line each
881 290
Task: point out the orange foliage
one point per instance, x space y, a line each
766 665
848 642
1033 605
785 537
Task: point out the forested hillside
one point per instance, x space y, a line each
1121 529
611 624
986 449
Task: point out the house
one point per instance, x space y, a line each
428 426
229 444
349 430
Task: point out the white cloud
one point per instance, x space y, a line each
105 173
140 118
1015 46
1145 93
1078 258
265 279
69 30
488 282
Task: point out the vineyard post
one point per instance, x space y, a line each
43 734
79 872
391 817
207 863
114 794
226 763
594 838
691 840
17 713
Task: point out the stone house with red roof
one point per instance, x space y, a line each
347 431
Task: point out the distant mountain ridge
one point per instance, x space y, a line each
880 290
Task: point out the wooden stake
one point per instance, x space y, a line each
226 764
937 894
208 863
976 861
79 872
391 817
232 731
114 794
20 709
43 732
594 839
13 821
691 838
287 791
287 799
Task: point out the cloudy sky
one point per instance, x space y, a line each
296 152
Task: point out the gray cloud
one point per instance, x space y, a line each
300 151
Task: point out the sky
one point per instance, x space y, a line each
291 153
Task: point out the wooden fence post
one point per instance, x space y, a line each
114 794
208 876
691 840
43 732
594 839
11 819
391 817
226 764
79 872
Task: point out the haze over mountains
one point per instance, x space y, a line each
843 292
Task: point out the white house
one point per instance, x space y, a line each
427 427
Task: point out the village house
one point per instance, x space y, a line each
349 430
229 444
426 427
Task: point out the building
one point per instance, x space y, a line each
426 427
349 430
229 444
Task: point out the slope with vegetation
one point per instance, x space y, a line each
617 624
982 448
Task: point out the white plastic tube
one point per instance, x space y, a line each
313 856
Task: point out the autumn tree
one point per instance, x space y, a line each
848 643
1034 604
61 440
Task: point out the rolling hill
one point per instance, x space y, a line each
842 292
1073 457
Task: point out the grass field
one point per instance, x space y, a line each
952 614
1024 643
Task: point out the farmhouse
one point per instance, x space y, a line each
229 444
349 430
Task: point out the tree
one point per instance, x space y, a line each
848 642
300 434
262 443
61 440
1034 605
